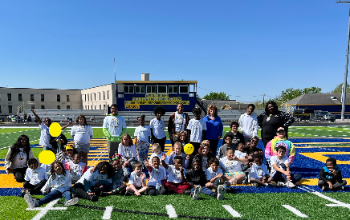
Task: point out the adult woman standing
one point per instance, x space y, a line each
271 119
178 121
214 128
17 157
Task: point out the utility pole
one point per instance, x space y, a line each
115 74
345 84
263 100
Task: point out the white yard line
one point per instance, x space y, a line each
233 212
171 211
108 212
295 211
44 210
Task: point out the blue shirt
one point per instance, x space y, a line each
214 128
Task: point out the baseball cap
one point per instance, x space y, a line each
280 129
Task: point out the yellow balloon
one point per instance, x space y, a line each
55 129
188 148
47 157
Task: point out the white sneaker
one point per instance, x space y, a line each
29 200
196 192
220 193
72 201
280 184
289 184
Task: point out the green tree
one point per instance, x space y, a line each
339 88
291 93
216 96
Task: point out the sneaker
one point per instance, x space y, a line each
255 184
280 184
324 188
342 188
220 193
94 198
72 201
29 200
23 192
186 192
196 192
289 184
272 184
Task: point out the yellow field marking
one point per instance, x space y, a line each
314 182
320 156
2 162
95 162
8 181
2 168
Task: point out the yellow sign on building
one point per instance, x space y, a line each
154 99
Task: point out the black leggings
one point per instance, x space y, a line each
34 189
153 192
161 142
79 190
214 145
19 174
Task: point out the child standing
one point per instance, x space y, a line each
142 138
127 150
196 129
157 151
82 133
237 136
35 177
157 127
76 168
177 151
280 172
157 178
259 173
197 179
214 174
232 167
176 177
227 145
60 182
137 181
331 177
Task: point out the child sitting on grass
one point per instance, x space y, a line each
157 151
280 172
227 145
330 177
214 174
35 177
177 151
232 167
128 151
197 178
176 177
157 177
76 168
60 182
259 173
120 176
280 138
137 181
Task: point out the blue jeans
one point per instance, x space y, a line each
282 177
206 191
55 194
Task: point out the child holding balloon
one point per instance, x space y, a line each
196 129
177 148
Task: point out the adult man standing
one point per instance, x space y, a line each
113 128
248 124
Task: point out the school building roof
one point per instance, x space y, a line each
319 99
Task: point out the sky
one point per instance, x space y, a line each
245 48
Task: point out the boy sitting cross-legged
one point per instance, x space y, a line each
331 177
259 173
137 181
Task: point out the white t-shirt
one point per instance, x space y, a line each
115 124
275 160
156 176
45 135
61 183
127 152
174 174
35 176
158 128
197 127
211 174
143 133
180 122
20 159
160 156
136 180
258 172
230 166
77 170
240 154
82 134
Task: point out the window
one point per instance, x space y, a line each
88 97
58 107
68 99
42 107
10 108
32 107
58 98
95 96
151 89
161 89
183 89
91 96
9 98
42 98
107 94
128 89
32 97
104 106
100 107
104 95
140 89
68 106
20 97
92 107
85 107
99 96
173 89
85 99
0 108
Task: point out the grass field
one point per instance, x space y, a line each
246 203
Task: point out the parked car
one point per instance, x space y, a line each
324 116
303 114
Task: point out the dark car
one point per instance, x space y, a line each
303 114
324 116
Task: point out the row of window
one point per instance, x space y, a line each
9 108
87 107
88 97
129 89
20 98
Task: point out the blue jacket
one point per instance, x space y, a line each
214 128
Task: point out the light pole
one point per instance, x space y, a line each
345 84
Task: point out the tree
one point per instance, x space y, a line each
216 96
339 88
291 93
